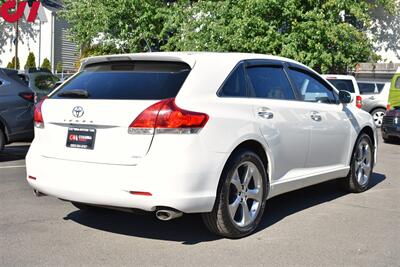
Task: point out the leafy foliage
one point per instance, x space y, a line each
30 61
328 35
120 25
11 65
46 64
385 28
59 67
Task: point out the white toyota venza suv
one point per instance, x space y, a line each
210 133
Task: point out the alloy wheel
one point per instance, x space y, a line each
363 162
245 194
378 118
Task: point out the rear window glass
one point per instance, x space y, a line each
17 78
346 85
131 80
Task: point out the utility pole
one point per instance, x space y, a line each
16 40
40 42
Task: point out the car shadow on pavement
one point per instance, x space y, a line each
190 229
13 153
287 204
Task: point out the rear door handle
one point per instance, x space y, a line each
265 113
372 98
316 116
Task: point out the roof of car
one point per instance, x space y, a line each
338 76
188 57
9 71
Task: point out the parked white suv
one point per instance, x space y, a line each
370 96
346 83
210 133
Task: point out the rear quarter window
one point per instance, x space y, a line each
367 88
235 84
131 80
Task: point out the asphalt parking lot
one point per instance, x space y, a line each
316 226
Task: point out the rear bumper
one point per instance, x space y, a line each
390 131
187 182
25 136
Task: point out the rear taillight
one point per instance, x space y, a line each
166 117
28 96
388 107
38 116
139 193
358 101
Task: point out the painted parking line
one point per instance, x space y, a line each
12 167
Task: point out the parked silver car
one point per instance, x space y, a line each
375 96
16 109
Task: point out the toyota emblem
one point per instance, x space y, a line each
78 112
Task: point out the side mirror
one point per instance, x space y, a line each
345 97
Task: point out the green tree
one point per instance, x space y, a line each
59 67
123 26
30 61
11 65
328 35
46 64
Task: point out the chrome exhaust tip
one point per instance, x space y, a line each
166 215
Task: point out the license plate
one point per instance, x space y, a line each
81 138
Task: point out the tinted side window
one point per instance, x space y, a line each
269 82
380 86
397 84
367 88
131 80
346 85
235 85
310 89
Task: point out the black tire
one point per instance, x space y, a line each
351 182
2 140
219 220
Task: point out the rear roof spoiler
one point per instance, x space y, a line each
134 57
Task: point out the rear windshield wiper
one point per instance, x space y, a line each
76 93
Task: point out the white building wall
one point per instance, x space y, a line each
30 44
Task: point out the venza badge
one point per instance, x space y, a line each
78 112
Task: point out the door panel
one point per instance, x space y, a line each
16 111
330 126
287 133
282 120
329 136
